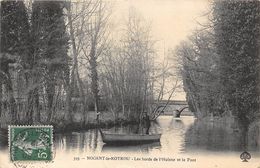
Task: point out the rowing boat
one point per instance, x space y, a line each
127 139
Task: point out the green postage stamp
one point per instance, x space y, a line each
31 143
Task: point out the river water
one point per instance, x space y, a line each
198 143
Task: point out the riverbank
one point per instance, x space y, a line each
106 120
78 123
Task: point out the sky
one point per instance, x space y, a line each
172 21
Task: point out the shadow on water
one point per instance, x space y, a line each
253 137
87 141
143 148
222 136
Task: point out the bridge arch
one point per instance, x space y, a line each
177 106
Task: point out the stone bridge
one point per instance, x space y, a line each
172 106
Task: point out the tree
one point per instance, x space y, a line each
220 63
87 31
199 72
51 45
97 40
237 35
14 46
76 26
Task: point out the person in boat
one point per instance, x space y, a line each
146 123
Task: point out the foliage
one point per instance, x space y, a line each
13 49
237 35
221 62
50 45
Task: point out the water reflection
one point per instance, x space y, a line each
253 140
79 142
172 130
184 135
221 136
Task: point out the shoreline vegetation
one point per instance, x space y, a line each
77 123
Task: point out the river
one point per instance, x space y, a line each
203 142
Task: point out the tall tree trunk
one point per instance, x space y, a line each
50 90
29 115
11 100
36 106
68 103
32 99
75 72
94 77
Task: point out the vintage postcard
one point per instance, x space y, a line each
130 83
